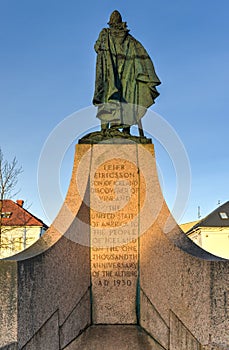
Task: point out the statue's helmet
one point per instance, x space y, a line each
115 18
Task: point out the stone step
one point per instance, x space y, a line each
112 337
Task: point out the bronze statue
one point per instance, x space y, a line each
125 78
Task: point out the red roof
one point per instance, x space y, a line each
18 215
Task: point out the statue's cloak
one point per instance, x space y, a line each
124 74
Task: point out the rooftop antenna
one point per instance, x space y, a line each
199 215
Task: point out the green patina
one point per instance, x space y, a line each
126 81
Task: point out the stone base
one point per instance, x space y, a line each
113 137
114 270
112 337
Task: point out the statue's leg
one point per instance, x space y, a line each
140 128
104 126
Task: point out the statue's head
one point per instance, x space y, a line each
115 18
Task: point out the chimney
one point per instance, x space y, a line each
20 202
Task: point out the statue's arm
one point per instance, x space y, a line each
101 42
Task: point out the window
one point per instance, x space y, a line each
6 214
223 215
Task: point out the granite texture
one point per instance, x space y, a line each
114 337
146 278
54 281
180 336
114 233
152 322
46 337
8 302
78 320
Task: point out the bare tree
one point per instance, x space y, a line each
9 172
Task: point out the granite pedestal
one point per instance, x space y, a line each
114 270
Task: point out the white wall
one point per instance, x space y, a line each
15 239
214 240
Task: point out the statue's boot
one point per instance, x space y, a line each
126 130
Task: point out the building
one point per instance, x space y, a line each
212 232
18 228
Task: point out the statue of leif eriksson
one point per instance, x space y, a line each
125 78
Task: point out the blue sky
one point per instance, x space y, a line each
47 72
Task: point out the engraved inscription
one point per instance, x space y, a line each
114 212
116 266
